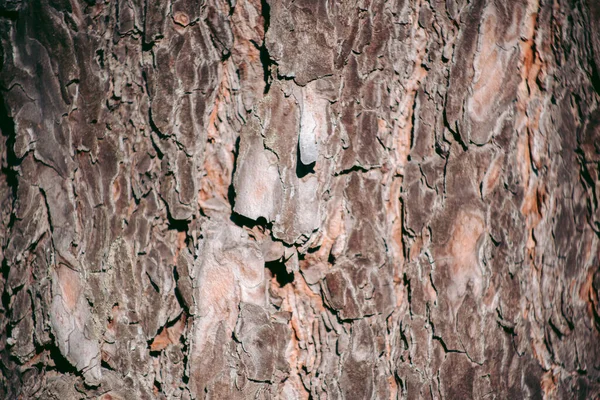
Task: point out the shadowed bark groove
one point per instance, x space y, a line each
299 199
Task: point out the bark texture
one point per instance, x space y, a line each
300 199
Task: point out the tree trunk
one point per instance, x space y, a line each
300 199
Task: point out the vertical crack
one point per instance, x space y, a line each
265 58
8 164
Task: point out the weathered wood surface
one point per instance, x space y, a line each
300 199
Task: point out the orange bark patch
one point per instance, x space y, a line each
461 253
181 236
548 383
181 18
215 183
70 285
589 295
169 335
468 228
492 176
116 190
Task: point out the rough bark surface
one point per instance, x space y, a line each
300 199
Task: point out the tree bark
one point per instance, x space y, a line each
300 199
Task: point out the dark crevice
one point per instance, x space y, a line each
312 250
231 189
280 272
266 14
441 151
7 127
409 294
266 63
5 296
404 340
186 361
157 386
440 340
60 362
9 14
180 225
595 77
159 152
284 77
153 125
241 220
446 175
265 58
413 121
555 329
151 122
354 168
154 285
495 242
106 365
100 58
506 326
178 294
301 169
457 137
455 132
434 288
331 258
147 46
445 347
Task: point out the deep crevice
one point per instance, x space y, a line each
4 270
445 347
180 225
154 285
413 120
9 14
406 282
178 294
555 329
104 364
60 362
303 169
507 327
7 128
265 58
157 386
455 132
354 168
280 272
595 77
148 46
231 189
241 220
